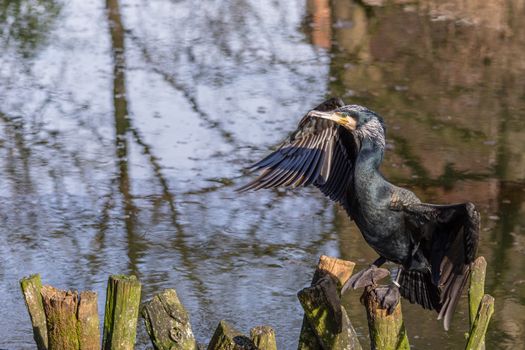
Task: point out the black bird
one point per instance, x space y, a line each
338 148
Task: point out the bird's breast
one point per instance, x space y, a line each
384 230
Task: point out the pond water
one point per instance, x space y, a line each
125 127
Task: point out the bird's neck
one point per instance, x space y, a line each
368 181
370 157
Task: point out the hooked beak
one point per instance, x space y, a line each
339 118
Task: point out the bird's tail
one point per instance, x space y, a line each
454 231
417 287
451 283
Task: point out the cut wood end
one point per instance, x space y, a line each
258 330
87 303
341 269
52 293
263 337
30 278
480 262
125 278
488 300
227 337
168 296
88 295
373 305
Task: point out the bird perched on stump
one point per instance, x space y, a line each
338 148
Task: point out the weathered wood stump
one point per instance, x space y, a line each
88 326
479 327
31 287
72 319
476 291
121 312
228 338
326 324
263 337
60 308
481 306
167 322
387 332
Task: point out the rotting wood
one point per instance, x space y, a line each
228 338
326 316
88 326
121 312
31 287
341 270
476 290
60 307
481 322
167 322
263 338
387 332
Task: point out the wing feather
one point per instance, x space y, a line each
316 153
449 236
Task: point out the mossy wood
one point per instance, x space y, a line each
263 338
228 338
61 307
387 332
167 322
326 315
121 312
71 318
341 270
31 287
477 290
480 325
88 325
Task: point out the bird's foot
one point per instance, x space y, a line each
367 277
388 297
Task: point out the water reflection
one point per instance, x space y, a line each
125 126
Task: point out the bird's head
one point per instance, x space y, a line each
358 119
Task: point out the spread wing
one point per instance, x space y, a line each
448 238
319 152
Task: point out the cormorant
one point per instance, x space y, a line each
338 148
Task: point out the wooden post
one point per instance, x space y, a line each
479 327
60 307
263 337
476 290
326 324
121 313
88 322
387 332
228 338
167 322
31 287
72 319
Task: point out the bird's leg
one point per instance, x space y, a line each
388 296
368 276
